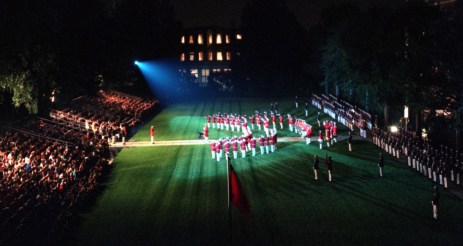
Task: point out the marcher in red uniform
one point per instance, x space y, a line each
221 142
281 121
275 139
326 125
206 133
327 137
218 149
253 146
208 121
237 123
213 120
320 139
235 148
152 134
226 146
243 147
259 121
225 121
267 143
308 134
266 128
252 118
212 144
244 126
334 133
221 117
232 123
274 121
290 122
124 133
261 144
271 144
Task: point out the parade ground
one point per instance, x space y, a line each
174 193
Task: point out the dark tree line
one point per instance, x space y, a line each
72 46
273 50
381 58
384 58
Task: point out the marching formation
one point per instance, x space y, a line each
440 165
343 112
246 141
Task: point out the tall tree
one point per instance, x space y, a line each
273 47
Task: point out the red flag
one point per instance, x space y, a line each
238 197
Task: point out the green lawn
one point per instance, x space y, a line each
177 195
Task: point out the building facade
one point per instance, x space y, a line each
207 51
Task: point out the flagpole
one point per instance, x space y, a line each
229 198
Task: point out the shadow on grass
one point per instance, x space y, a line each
385 205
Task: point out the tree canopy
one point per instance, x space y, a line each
66 45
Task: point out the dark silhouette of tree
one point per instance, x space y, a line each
273 51
71 46
383 58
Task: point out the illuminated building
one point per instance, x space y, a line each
205 51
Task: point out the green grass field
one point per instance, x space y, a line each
177 195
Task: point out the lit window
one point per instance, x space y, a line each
218 39
191 40
200 56
209 39
216 70
200 39
182 57
228 55
238 36
219 56
182 40
210 56
192 56
227 39
194 72
204 75
227 70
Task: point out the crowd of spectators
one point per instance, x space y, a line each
110 115
49 164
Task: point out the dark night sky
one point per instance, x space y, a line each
194 13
